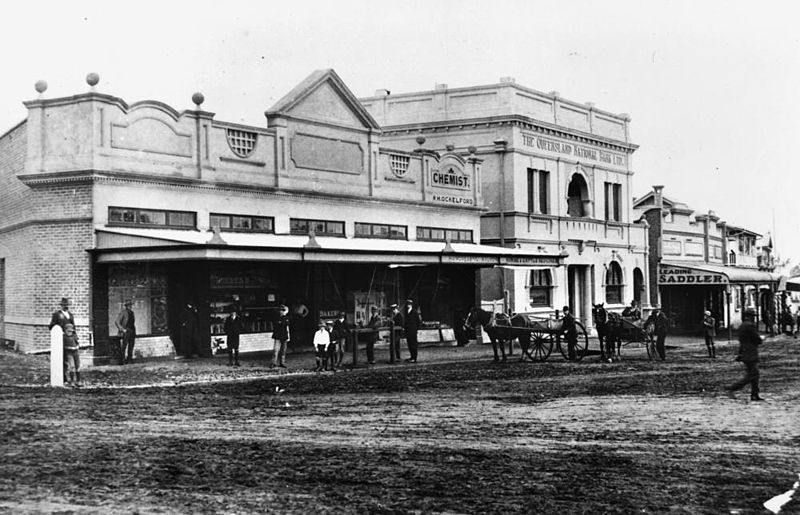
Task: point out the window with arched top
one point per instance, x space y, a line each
541 287
577 196
614 283
732 258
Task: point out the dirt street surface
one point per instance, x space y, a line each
454 433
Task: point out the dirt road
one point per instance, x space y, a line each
465 437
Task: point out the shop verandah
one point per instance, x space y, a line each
325 275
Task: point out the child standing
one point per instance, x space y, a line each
322 339
72 362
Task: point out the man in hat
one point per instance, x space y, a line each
375 323
234 326
570 332
62 316
126 325
411 324
338 338
281 334
397 332
658 320
709 331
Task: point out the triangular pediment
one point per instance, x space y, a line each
324 97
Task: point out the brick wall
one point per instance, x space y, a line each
44 234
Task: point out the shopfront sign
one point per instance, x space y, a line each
570 149
452 199
451 178
469 260
678 276
530 260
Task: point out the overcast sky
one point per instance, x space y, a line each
713 87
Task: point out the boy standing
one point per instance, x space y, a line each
72 362
322 339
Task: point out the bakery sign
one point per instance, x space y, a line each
449 177
679 276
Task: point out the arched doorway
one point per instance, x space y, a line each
578 196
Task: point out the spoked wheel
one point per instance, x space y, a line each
541 347
581 345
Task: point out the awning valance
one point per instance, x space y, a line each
123 244
789 284
707 274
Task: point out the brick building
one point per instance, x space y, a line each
700 262
104 201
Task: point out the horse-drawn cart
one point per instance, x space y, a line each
615 331
537 336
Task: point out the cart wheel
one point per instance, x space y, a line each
540 348
581 345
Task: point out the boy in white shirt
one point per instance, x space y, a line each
322 339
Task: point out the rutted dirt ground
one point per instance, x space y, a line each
458 434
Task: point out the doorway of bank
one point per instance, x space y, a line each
579 293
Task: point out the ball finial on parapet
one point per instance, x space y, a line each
472 149
92 79
420 140
198 99
40 86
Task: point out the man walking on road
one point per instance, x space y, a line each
749 340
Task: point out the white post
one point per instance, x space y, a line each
56 356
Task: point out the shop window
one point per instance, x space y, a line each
541 287
242 223
151 218
613 201
241 143
614 283
392 232
320 227
146 286
441 234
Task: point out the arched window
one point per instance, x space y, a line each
577 197
732 258
638 286
614 284
540 287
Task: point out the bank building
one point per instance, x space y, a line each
105 201
556 180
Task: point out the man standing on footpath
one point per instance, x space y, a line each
710 331
126 326
234 326
660 326
570 332
397 332
281 335
749 340
411 324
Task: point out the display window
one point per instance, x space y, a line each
144 284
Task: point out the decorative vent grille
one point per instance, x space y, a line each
242 143
399 164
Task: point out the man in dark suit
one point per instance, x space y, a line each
570 332
397 332
234 326
411 324
126 325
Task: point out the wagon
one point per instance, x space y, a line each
629 332
543 334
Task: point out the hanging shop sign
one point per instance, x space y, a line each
678 276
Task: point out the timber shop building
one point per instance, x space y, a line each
105 201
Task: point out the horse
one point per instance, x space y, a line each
500 327
609 332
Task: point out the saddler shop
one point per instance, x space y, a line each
188 215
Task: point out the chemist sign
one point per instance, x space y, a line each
678 276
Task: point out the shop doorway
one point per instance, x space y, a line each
578 293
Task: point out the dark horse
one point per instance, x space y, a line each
609 332
500 327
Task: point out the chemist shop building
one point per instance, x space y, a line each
556 179
105 201
701 263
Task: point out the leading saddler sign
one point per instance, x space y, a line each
679 276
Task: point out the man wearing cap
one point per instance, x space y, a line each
126 325
710 331
411 324
62 316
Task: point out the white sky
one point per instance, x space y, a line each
713 87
